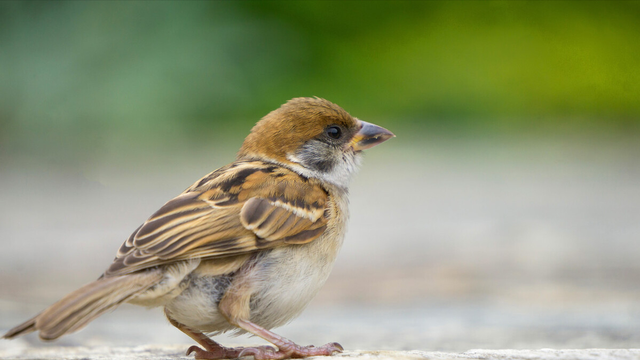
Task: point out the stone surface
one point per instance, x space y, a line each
176 352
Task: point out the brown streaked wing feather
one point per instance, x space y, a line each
243 207
271 221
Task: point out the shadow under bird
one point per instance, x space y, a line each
246 247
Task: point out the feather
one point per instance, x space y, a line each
77 309
238 209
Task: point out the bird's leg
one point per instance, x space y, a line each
212 350
286 348
235 307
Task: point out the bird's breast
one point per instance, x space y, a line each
291 276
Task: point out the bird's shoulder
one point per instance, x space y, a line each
241 180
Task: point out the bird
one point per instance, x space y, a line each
245 248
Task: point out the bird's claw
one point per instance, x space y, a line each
294 351
214 353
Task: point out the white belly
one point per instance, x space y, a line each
284 281
287 288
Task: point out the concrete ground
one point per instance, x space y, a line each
174 352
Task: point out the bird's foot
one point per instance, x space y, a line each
290 351
222 352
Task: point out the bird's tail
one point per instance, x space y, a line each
77 309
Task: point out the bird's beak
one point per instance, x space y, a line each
369 136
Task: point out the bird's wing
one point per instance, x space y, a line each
241 208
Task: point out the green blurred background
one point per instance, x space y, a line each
81 79
506 213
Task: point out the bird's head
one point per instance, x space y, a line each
314 137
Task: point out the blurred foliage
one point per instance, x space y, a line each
80 78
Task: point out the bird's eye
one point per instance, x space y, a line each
334 132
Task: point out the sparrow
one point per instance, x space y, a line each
245 248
